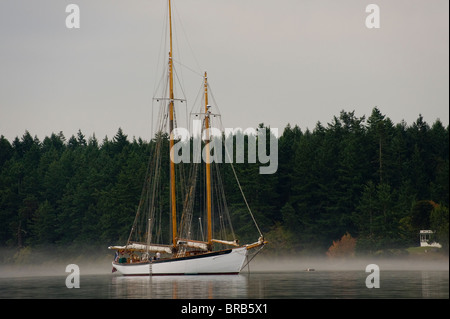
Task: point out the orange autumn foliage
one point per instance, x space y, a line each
345 247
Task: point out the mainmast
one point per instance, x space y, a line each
208 166
171 127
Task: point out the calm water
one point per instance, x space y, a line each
282 285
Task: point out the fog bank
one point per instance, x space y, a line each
287 264
51 264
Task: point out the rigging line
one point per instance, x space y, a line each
177 48
161 112
242 192
158 85
212 97
161 47
253 256
164 75
141 202
181 78
179 81
219 115
200 93
187 39
223 198
152 120
184 96
189 201
201 229
189 68
160 117
156 180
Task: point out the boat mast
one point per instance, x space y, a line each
171 127
208 166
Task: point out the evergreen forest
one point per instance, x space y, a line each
378 181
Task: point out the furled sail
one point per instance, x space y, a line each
193 244
144 247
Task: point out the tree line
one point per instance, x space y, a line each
377 181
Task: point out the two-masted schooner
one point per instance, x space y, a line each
144 253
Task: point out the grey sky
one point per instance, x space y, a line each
271 62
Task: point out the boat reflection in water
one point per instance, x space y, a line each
179 287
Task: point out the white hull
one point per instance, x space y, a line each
223 262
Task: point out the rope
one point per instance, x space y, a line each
232 167
189 68
242 192
253 256
187 38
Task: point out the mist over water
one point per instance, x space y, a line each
268 277
52 265
292 264
52 262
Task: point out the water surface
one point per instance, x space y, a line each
343 284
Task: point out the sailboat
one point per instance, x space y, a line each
145 253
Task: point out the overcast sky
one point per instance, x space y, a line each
271 62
